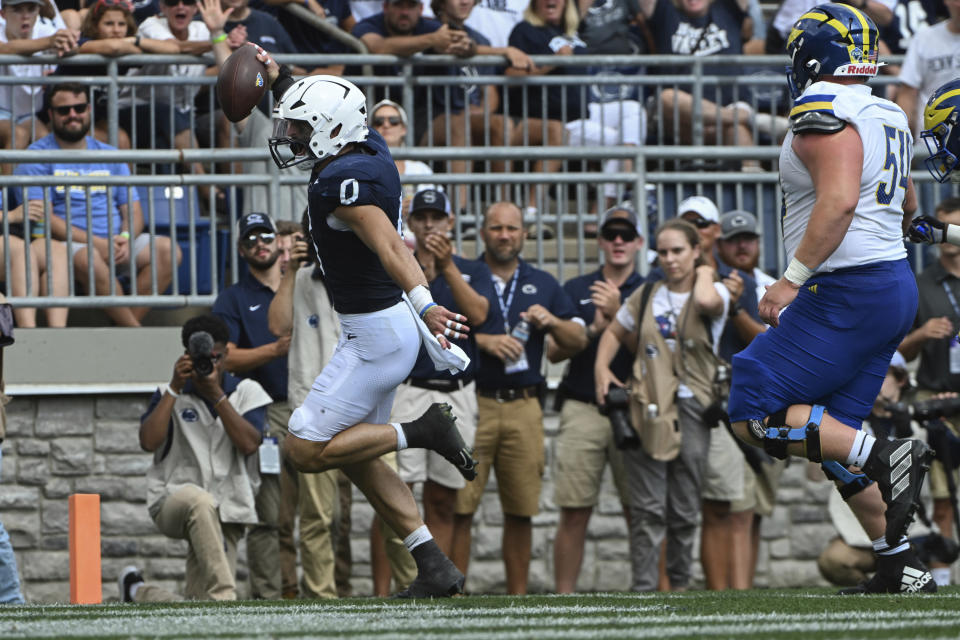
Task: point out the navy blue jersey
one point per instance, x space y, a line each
578 383
562 103
265 30
243 307
717 33
477 274
909 16
533 286
355 277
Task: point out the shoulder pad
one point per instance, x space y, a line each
816 122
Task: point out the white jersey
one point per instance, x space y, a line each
875 233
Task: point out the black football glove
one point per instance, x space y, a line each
927 230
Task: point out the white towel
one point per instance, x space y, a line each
453 359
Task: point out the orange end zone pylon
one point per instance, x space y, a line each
85 573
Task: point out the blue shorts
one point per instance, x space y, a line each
833 345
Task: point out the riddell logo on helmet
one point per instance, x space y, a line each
857 70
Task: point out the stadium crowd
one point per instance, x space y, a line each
276 328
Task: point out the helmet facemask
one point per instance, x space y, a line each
290 143
942 160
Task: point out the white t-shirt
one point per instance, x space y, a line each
666 306
875 233
791 10
157 28
763 280
495 19
933 59
27 98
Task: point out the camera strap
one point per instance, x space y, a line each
954 355
952 298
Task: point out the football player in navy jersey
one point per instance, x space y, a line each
354 213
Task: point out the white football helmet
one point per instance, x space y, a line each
316 117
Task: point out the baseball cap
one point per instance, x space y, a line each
253 221
431 199
701 206
10 3
614 214
733 223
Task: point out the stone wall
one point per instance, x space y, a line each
56 446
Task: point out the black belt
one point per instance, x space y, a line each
439 384
510 394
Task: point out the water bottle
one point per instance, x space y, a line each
37 229
521 331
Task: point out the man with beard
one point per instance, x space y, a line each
256 353
116 223
509 385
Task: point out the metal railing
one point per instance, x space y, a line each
567 199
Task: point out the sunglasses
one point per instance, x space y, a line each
173 3
122 4
699 222
393 120
80 108
251 240
626 234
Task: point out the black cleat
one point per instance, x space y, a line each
129 576
898 467
437 430
902 573
442 582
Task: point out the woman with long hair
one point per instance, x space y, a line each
674 326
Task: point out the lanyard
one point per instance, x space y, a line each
951 298
505 306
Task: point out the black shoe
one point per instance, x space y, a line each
442 582
129 576
902 573
898 467
437 430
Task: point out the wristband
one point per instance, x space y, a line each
124 234
426 308
952 234
797 272
421 299
222 397
172 392
220 38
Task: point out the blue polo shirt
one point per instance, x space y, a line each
243 306
529 286
578 383
477 274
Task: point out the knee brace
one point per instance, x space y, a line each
776 434
850 483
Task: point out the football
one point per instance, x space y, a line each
241 83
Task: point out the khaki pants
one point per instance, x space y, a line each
190 514
267 564
319 507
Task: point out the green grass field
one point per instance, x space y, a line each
810 613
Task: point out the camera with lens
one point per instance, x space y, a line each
927 409
617 408
200 349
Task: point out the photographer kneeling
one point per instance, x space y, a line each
204 429
850 556
674 326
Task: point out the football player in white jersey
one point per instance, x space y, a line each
941 132
805 386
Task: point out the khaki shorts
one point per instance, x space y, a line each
584 446
760 491
723 476
420 465
509 439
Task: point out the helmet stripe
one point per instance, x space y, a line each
946 95
866 29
